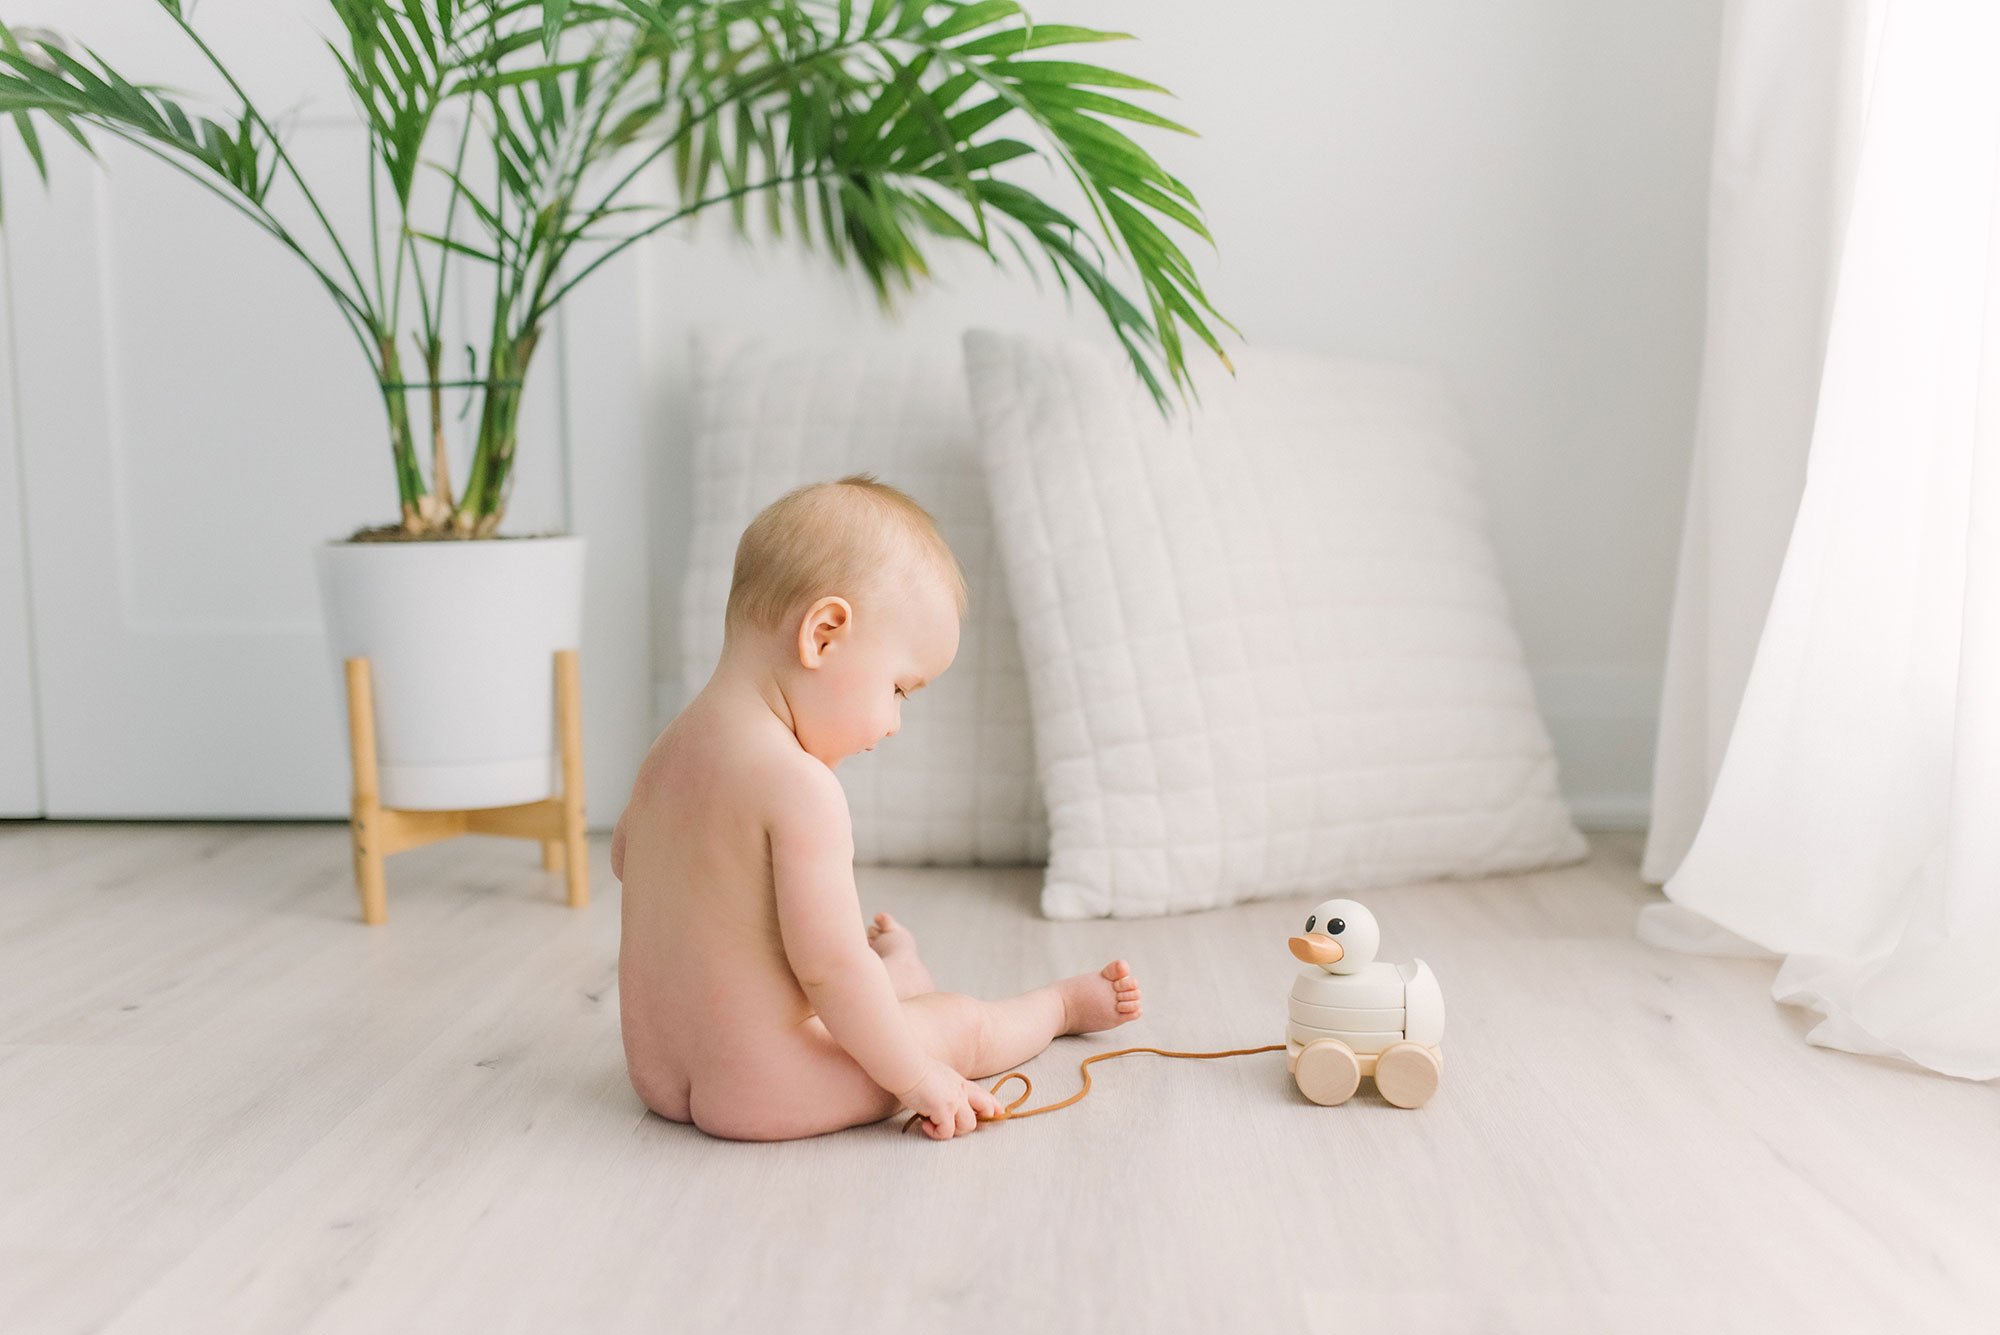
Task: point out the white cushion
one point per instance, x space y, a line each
957 784
1268 649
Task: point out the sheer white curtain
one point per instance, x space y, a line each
1854 821
1787 108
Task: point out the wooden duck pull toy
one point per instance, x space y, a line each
1353 1016
1350 1017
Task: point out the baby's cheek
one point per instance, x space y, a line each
863 715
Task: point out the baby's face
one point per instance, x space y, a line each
894 645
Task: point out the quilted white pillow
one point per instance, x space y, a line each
957 784
1268 649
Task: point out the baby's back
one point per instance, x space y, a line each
701 968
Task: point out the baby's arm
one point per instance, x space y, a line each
618 847
819 919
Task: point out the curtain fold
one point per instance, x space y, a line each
1854 824
1787 108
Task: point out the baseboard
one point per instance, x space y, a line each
1609 812
1603 720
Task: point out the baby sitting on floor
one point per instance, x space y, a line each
756 1003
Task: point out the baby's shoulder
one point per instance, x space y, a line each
737 762
798 785
802 809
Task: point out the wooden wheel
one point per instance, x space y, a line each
1328 1072
1407 1074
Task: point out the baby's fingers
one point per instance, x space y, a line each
983 1101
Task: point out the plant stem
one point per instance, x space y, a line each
485 497
375 232
444 251
395 398
440 463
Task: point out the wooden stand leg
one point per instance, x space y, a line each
569 730
554 822
366 821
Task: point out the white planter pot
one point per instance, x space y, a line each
461 640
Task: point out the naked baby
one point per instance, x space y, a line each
756 1001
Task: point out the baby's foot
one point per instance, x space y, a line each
898 948
1101 1000
889 936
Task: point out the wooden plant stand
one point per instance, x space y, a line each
379 831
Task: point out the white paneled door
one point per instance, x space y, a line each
192 419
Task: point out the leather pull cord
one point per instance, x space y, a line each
1014 1110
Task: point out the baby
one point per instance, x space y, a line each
756 1003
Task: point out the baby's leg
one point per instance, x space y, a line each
808 1085
983 1038
814 1087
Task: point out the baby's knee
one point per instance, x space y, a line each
957 1025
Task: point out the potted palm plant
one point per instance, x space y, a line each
518 147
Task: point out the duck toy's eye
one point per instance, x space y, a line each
1334 926
1310 920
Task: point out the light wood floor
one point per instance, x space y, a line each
226 1106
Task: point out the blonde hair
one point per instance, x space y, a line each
831 538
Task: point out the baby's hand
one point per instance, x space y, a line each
949 1103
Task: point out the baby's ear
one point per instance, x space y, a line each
825 622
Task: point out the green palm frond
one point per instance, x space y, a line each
72 93
887 130
873 131
397 61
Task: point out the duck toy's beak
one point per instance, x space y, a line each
1316 948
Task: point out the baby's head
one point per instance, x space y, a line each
849 589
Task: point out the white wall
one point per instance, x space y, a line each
20 739
1515 192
